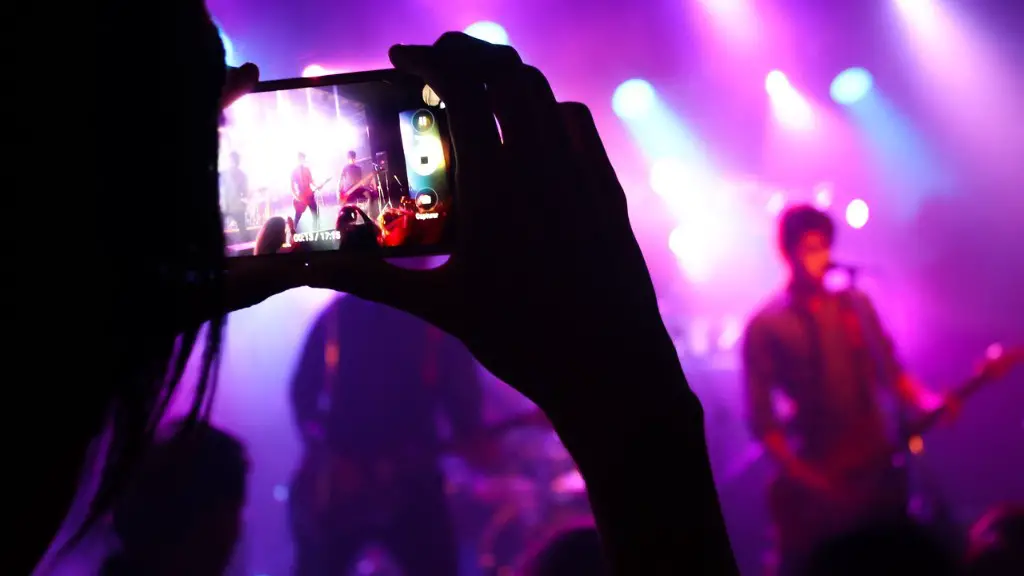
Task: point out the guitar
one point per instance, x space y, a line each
328 485
343 195
303 198
876 481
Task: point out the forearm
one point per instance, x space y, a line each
650 483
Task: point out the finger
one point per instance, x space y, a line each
418 292
239 82
474 134
591 154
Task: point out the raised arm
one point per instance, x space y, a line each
644 459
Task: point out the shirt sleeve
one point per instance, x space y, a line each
882 345
759 377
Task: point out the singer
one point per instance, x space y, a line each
829 353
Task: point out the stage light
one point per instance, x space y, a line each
851 85
790 109
488 32
823 196
314 70
776 82
857 213
668 176
633 99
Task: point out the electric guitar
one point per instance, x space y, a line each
307 199
873 481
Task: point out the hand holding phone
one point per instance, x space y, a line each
381 134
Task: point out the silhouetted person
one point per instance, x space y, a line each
234 185
895 548
182 512
365 397
576 552
996 543
273 236
136 313
131 343
351 175
358 231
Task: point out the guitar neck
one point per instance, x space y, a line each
929 420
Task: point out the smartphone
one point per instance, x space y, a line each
344 163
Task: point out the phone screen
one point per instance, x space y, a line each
351 162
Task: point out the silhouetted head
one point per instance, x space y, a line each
351 156
805 241
235 159
143 328
182 512
996 543
894 548
272 236
576 551
302 159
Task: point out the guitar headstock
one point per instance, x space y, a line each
999 361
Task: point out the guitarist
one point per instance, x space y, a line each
829 355
303 193
352 189
351 174
366 396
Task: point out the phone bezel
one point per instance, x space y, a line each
393 77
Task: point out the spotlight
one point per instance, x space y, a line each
633 99
776 82
857 213
488 32
851 85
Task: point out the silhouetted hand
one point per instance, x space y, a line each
238 82
553 304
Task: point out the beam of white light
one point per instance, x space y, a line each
789 107
315 70
736 20
964 74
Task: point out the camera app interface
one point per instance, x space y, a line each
351 166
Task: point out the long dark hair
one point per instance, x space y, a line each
164 288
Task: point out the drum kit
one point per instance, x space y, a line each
508 515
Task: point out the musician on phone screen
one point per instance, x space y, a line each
303 192
828 353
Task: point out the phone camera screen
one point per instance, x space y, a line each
346 166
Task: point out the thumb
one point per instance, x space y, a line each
417 292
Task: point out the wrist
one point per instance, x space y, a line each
645 463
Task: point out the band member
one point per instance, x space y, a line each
828 353
303 194
351 175
234 186
366 397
